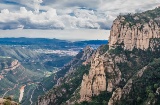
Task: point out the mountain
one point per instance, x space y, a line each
45 43
124 72
136 30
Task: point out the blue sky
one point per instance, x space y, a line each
67 15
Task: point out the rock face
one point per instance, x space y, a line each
134 33
103 75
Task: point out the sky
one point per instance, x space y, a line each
65 19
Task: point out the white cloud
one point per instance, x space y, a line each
49 19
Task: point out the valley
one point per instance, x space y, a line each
26 66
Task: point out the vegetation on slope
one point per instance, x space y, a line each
143 17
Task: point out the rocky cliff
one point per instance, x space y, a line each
135 31
133 39
103 75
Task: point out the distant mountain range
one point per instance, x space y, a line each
45 41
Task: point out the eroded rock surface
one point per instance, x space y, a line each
103 75
133 36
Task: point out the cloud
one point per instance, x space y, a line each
67 14
29 19
49 19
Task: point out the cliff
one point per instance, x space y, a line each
135 31
133 44
97 80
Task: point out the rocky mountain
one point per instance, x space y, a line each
133 46
135 30
124 72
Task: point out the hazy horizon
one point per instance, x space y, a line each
72 35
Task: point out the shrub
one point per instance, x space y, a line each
7 102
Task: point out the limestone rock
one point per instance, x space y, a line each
136 36
103 75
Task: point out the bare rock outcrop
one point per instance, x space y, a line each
131 35
7 64
14 64
103 75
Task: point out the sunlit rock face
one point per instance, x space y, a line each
133 36
103 75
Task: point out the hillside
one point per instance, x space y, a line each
69 78
7 102
13 75
124 72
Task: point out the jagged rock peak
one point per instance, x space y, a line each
87 48
87 51
135 31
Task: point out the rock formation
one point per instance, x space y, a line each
133 34
103 75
